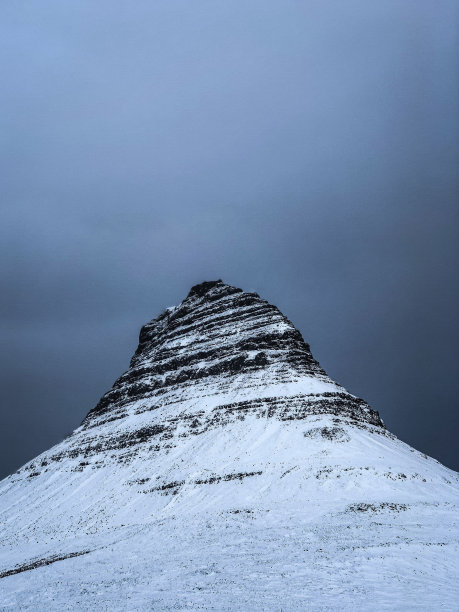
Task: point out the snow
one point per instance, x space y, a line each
266 488
367 522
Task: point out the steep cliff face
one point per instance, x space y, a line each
225 469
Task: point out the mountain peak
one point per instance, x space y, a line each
221 345
202 288
212 290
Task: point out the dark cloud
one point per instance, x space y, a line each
305 150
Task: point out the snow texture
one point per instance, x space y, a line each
226 471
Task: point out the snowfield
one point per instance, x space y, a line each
264 488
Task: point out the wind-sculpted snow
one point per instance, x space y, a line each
226 470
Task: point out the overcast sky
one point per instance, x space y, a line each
307 150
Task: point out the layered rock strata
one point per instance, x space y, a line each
219 356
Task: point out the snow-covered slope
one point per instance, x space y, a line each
226 470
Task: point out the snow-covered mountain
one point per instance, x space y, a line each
225 470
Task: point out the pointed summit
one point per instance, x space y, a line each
226 349
204 287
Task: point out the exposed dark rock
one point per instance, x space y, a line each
41 563
227 477
377 507
337 434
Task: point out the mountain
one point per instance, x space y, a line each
225 470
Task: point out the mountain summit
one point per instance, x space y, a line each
219 356
225 470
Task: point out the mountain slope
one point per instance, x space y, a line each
226 470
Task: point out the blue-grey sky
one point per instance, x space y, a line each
307 150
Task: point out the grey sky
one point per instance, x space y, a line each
304 150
